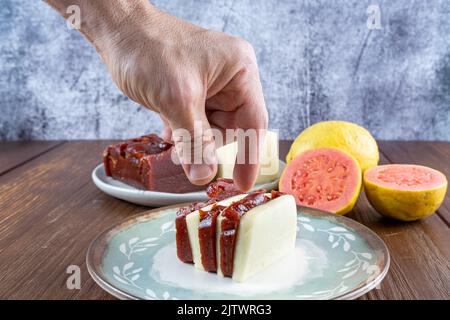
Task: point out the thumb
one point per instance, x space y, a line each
194 145
166 132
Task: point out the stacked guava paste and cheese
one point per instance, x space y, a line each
236 235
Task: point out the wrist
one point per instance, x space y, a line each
107 23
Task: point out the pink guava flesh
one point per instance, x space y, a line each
325 179
405 177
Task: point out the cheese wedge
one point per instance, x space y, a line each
266 233
226 158
269 164
193 220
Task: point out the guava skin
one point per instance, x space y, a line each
404 205
346 136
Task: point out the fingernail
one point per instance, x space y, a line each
199 172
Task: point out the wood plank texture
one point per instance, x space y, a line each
49 226
50 211
15 153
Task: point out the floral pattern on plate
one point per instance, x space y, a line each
122 260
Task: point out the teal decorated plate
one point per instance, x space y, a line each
335 258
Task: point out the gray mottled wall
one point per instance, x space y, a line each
318 60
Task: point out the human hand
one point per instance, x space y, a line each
191 77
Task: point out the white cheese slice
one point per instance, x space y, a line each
193 220
266 234
269 164
226 157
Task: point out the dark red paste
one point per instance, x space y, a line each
207 237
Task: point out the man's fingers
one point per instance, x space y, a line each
252 118
245 173
166 132
246 169
194 144
223 119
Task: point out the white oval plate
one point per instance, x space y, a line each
128 193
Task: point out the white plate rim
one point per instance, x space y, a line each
158 198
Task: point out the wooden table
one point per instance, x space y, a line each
50 211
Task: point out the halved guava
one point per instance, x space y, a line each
346 136
405 192
326 179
